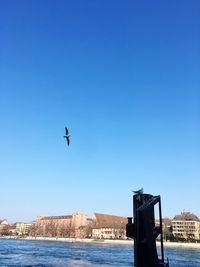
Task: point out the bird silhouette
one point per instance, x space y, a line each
67 135
140 191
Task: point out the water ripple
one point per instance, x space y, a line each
23 253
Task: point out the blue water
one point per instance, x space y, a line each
19 253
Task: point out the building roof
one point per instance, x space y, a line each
56 217
186 216
108 221
4 221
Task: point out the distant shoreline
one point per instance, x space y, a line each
103 241
181 244
80 240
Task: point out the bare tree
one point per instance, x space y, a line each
6 230
32 231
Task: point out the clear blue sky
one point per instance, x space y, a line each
124 77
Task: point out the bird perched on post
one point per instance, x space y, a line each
140 191
67 135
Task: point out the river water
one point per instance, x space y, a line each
23 253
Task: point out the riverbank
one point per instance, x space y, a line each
82 240
105 241
180 244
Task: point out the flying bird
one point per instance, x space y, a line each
67 135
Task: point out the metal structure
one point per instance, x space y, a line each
143 229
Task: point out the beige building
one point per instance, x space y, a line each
108 226
75 225
186 226
22 228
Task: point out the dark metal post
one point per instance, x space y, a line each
161 231
144 231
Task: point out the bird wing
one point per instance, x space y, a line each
67 140
66 130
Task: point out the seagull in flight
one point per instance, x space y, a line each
67 135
